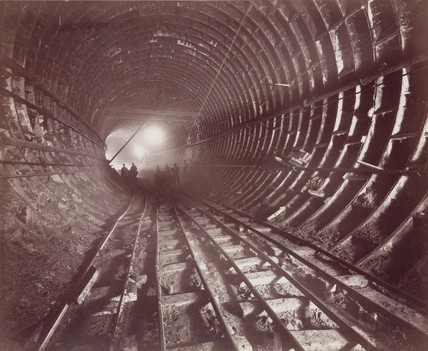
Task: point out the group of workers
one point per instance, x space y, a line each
169 176
129 175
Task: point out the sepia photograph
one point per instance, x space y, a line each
229 175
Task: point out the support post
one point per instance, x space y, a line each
127 142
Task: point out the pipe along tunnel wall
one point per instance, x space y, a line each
345 81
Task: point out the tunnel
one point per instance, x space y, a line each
308 115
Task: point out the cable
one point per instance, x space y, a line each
224 60
127 142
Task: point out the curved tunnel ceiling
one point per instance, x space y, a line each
239 82
218 61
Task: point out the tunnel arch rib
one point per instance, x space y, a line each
341 84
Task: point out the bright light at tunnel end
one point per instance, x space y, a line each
138 150
154 135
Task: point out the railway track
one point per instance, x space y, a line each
281 237
183 273
95 313
357 304
190 314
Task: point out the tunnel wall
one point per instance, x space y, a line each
371 107
370 220
57 195
353 88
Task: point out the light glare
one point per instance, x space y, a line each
154 135
138 150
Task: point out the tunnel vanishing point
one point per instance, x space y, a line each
310 115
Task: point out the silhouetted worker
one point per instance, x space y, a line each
124 172
175 174
168 174
133 171
132 177
157 177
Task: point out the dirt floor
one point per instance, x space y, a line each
48 223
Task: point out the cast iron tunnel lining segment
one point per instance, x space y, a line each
344 81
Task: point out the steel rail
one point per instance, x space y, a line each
48 331
121 305
305 105
48 114
415 303
200 267
162 342
353 293
289 168
45 174
347 330
291 339
6 141
112 230
44 164
17 69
